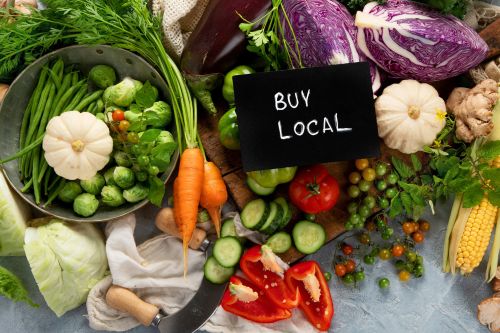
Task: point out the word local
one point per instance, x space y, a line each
312 127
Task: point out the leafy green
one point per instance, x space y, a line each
156 190
417 165
146 96
489 150
12 288
473 195
402 169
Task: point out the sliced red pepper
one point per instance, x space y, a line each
273 284
320 312
261 310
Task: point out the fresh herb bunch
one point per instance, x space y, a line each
266 38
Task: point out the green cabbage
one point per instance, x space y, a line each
67 260
13 216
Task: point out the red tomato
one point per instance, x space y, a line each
118 115
350 266
346 249
314 190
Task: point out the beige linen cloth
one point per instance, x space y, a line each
153 270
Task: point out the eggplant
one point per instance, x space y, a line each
215 45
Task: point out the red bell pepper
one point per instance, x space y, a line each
314 190
260 310
271 283
315 299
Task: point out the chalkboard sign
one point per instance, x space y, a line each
306 116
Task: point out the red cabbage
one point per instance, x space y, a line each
325 33
410 40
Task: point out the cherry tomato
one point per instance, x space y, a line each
370 225
340 270
404 276
124 125
383 202
348 225
408 227
415 226
143 160
381 185
384 283
364 211
418 236
364 185
346 249
370 201
418 271
364 238
353 191
328 276
350 266
400 265
391 192
381 169
398 250
384 254
411 256
369 259
392 178
359 276
354 177
118 115
132 137
348 278
153 170
361 164
369 174
352 207
424 225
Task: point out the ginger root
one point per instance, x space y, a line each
472 109
488 311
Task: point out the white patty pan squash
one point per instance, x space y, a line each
410 114
77 145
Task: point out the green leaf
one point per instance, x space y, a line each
473 195
493 174
427 179
459 185
417 165
156 191
12 288
245 27
407 202
146 96
161 155
402 169
396 207
489 150
416 192
150 135
451 174
494 197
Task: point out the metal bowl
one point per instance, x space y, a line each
84 58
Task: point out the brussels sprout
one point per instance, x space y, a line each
123 177
103 76
133 116
100 116
70 191
93 185
123 93
141 176
163 112
112 196
164 137
137 193
85 204
122 159
108 176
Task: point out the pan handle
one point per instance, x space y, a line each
125 300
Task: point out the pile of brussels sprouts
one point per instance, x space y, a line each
142 148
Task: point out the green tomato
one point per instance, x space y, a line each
153 170
352 207
387 233
228 87
400 265
384 283
381 185
418 271
392 178
136 149
370 201
364 185
419 260
381 169
353 191
143 160
364 238
348 225
348 278
369 259
328 276
359 276
384 203
310 217
391 192
411 256
384 254
364 211
273 177
355 219
132 137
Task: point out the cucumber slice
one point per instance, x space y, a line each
280 242
255 214
273 220
287 212
229 229
308 236
227 251
257 188
216 273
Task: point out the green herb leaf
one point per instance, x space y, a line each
416 192
396 207
459 185
407 202
473 195
12 288
150 135
161 155
417 165
156 191
494 197
146 96
489 150
402 169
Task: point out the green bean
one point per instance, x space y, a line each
56 72
91 107
54 181
65 85
57 110
36 185
74 80
46 112
23 151
55 193
46 179
78 97
44 166
89 99
27 186
38 113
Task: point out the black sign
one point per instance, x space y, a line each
306 116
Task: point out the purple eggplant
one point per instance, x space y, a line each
215 45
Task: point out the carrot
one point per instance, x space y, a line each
213 194
187 193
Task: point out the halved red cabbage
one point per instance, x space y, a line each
325 34
410 40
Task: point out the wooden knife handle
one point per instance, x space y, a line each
125 300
